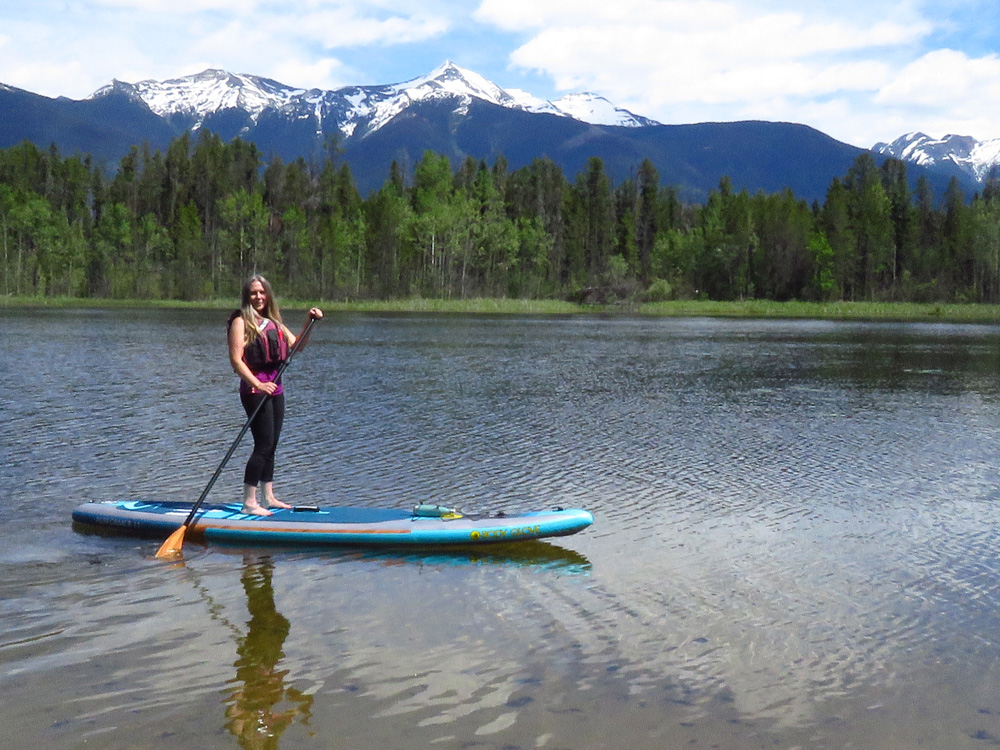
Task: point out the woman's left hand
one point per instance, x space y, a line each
315 313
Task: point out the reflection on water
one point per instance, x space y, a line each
794 538
537 554
260 706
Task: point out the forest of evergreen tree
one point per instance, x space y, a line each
195 222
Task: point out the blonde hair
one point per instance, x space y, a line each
248 313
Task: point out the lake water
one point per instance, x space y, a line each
794 542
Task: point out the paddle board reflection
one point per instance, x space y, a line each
259 707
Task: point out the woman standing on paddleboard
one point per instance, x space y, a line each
258 343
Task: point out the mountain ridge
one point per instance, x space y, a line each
961 153
451 111
354 109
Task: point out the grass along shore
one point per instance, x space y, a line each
890 311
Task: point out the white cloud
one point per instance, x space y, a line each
177 6
734 61
515 15
312 74
860 70
664 58
946 91
944 77
299 49
336 28
60 51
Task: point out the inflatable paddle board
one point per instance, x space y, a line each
428 525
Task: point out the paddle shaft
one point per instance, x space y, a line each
246 426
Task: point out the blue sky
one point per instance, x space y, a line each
860 71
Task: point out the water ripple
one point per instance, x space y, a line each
793 541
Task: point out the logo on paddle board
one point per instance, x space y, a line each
517 531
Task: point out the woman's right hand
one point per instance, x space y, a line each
268 388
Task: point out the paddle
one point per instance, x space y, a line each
172 546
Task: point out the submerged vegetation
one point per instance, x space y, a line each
191 224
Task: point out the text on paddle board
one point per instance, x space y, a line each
506 533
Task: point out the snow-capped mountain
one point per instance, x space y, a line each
374 130
204 93
353 110
978 159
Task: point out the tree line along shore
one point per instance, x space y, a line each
191 224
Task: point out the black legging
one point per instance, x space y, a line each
265 428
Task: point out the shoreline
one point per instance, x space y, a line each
886 311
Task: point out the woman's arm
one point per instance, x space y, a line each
237 339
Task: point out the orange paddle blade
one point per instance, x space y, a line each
172 547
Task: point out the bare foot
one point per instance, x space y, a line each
273 502
254 510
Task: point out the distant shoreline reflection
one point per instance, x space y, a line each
260 707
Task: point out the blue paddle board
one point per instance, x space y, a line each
428 525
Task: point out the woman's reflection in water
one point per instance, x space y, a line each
260 707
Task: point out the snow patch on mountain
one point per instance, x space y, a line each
597 110
979 159
206 93
986 156
531 103
451 80
355 110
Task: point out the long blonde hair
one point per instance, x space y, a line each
247 312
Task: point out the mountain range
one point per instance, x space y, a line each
960 155
459 113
